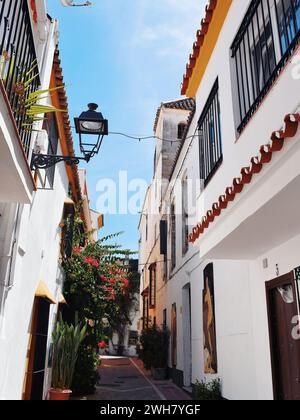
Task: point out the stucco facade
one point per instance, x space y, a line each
242 221
32 211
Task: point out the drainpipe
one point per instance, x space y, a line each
7 283
48 55
46 61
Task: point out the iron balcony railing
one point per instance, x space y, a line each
268 36
18 62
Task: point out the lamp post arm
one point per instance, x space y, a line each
40 161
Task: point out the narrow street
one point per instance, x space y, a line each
125 379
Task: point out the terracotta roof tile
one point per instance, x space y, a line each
187 104
66 118
200 37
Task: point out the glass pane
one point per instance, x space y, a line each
286 10
297 13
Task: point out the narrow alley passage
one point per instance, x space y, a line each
125 379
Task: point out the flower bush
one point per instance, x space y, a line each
96 287
94 283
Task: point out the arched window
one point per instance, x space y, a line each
181 130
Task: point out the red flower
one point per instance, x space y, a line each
125 283
77 250
112 282
91 261
102 345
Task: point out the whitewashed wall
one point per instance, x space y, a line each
36 259
241 313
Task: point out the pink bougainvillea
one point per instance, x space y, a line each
91 261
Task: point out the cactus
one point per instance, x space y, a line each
66 341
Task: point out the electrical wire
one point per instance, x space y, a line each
143 138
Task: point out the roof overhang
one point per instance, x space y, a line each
207 37
43 292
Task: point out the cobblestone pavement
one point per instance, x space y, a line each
126 379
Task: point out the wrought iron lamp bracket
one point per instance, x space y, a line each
40 161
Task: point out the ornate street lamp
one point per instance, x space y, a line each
90 123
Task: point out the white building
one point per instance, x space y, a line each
157 218
34 205
239 279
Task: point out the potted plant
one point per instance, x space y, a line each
208 391
155 350
66 343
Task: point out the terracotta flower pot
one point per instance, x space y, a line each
59 394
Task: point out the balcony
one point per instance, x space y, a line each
19 76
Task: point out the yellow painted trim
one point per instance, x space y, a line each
62 300
69 202
208 47
42 291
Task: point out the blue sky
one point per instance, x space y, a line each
128 56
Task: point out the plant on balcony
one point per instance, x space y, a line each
155 350
66 342
28 104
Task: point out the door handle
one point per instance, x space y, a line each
298 380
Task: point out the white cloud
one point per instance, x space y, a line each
168 26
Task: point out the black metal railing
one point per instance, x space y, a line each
269 34
210 138
18 61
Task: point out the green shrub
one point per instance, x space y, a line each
208 391
154 348
66 343
86 372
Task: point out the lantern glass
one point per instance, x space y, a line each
91 122
91 126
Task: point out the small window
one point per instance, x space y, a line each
185 217
152 271
147 220
145 312
181 130
210 139
164 318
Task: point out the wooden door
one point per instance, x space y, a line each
285 345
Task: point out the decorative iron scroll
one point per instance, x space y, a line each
47 161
